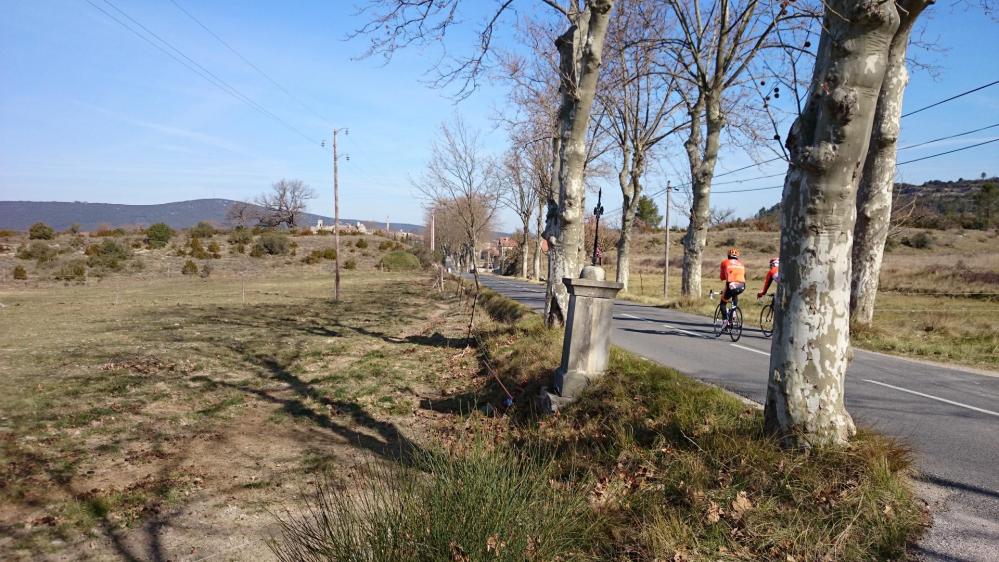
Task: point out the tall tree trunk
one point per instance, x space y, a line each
537 241
828 143
631 190
874 196
702 161
524 244
580 50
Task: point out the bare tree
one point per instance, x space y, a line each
242 214
827 144
638 101
284 203
717 42
462 176
520 195
874 196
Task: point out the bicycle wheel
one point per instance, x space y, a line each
717 326
767 320
735 324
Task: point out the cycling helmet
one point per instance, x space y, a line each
733 253
774 262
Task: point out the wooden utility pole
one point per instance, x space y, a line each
666 260
336 218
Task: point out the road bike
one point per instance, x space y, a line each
767 317
734 328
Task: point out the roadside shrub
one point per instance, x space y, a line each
190 268
158 235
108 255
350 264
399 260
361 244
202 230
257 251
273 244
41 231
75 270
73 228
215 250
329 253
37 250
20 273
385 245
238 248
314 257
921 241
240 235
4 233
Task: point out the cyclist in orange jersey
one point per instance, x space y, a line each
733 273
773 276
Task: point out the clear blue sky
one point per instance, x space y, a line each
90 112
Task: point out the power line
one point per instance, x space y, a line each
755 164
948 152
194 66
962 94
954 136
249 63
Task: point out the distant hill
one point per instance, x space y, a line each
19 215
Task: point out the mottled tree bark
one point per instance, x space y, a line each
828 144
580 51
874 196
629 178
539 220
702 161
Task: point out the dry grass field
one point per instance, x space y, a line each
939 302
155 419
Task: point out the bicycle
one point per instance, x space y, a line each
767 318
734 327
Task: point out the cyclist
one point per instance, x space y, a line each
733 273
773 276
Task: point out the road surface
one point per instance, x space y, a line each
949 415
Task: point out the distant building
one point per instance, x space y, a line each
358 228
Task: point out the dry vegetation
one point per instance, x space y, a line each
153 415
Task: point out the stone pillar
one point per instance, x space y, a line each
586 347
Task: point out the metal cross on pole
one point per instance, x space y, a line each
597 211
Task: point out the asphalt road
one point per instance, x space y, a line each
949 415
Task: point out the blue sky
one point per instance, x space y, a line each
90 112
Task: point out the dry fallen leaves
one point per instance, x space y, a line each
740 505
714 512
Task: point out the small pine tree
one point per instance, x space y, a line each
648 212
190 268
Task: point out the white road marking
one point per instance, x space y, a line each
667 326
931 397
750 349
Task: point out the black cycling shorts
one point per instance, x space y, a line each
733 290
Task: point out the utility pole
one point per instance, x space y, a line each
669 189
433 228
336 217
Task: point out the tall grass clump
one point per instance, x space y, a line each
480 504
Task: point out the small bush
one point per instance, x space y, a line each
257 251
37 250
361 244
350 264
75 270
105 231
329 253
206 270
314 257
238 248
920 241
202 230
20 273
73 228
197 249
273 244
158 235
215 250
190 268
399 260
108 255
4 233
41 231
240 235
385 245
